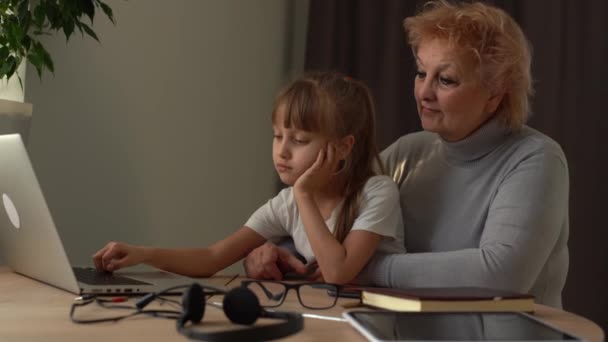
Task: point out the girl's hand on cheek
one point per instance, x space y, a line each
319 174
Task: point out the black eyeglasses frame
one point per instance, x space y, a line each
333 291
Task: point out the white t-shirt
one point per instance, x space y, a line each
380 212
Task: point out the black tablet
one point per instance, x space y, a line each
453 326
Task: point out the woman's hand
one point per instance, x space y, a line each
319 174
314 273
271 262
116 255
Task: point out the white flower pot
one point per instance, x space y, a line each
15 117
11 89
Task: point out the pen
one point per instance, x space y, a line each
226 284
231 279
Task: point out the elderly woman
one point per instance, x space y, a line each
484 197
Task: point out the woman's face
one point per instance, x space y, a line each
449 103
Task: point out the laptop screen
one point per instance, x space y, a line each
29 242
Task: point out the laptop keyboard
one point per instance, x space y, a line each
92 276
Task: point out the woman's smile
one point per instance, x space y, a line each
428 111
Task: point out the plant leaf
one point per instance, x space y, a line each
40 15
89 31
22 9
23 21
53 14
15 34
35 57
88 8
70 8
4 52
79 26
46 58
26 42
108 11
8 67
68 29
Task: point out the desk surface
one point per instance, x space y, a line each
32 311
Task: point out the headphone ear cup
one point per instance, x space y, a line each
242 306
193 304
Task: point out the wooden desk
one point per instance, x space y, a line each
32 311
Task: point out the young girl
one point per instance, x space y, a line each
336 209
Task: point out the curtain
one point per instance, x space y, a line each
365 39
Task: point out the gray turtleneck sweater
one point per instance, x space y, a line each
490 211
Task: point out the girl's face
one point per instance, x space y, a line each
448 103
293 151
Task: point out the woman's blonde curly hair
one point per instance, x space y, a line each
487 43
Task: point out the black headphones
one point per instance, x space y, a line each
241 306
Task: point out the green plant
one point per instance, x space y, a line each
22 22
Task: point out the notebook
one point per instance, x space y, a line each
31 246
447 299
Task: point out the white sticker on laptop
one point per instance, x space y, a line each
11 211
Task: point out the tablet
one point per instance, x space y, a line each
453 326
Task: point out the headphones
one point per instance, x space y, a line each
241 306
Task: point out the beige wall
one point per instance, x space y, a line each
161 134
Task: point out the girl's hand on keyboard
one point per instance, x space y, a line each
117 255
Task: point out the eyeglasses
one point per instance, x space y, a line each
311 295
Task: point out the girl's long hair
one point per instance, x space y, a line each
336 106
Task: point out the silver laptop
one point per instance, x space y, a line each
31 246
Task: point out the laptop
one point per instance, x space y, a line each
31 246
